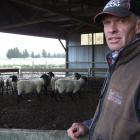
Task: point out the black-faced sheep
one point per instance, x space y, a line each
68 86
51 74
75 76
35 86
11 84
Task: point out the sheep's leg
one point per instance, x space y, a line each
7 90
39 97
71 95
60 97
2 90
44 90
56 95
16 91
12 90
52 94
79 94
19 98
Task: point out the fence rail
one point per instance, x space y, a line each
26 134
9 70
21 72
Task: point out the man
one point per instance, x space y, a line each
118 113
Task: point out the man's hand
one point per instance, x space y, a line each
77 130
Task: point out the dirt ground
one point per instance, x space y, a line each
49 114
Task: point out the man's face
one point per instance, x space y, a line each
119 32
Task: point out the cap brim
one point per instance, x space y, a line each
117 11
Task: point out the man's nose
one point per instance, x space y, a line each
113 28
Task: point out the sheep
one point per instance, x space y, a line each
35 86
1 85
51 74
75 76
68 86
11 84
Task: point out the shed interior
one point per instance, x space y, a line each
49 18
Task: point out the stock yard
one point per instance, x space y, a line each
49 114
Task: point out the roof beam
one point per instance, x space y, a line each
49 8
22 24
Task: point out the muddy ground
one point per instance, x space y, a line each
49 114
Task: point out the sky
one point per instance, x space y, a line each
31 43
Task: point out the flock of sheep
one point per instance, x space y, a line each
37 86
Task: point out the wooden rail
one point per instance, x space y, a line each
66 70
28 134
9 70
88 71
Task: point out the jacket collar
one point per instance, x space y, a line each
116 58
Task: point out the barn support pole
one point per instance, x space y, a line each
93 57
66 51
93 60
62 44
67 58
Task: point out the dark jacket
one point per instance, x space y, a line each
117 116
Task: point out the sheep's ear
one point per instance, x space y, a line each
43 75
51 74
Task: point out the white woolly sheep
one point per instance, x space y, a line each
75 76
68 86
35 86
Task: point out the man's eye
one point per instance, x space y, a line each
123 20
106 22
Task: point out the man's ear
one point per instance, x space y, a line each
138 26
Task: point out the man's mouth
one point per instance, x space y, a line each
113 40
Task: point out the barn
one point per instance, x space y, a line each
71 20
65 19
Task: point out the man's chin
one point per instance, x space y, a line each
114 47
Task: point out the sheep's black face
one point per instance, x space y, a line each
51 74
14 78
46 78
77 75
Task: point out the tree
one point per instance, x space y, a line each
37 56
25 54
9 54
32 55
16 53
48 55
44 54
13 53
